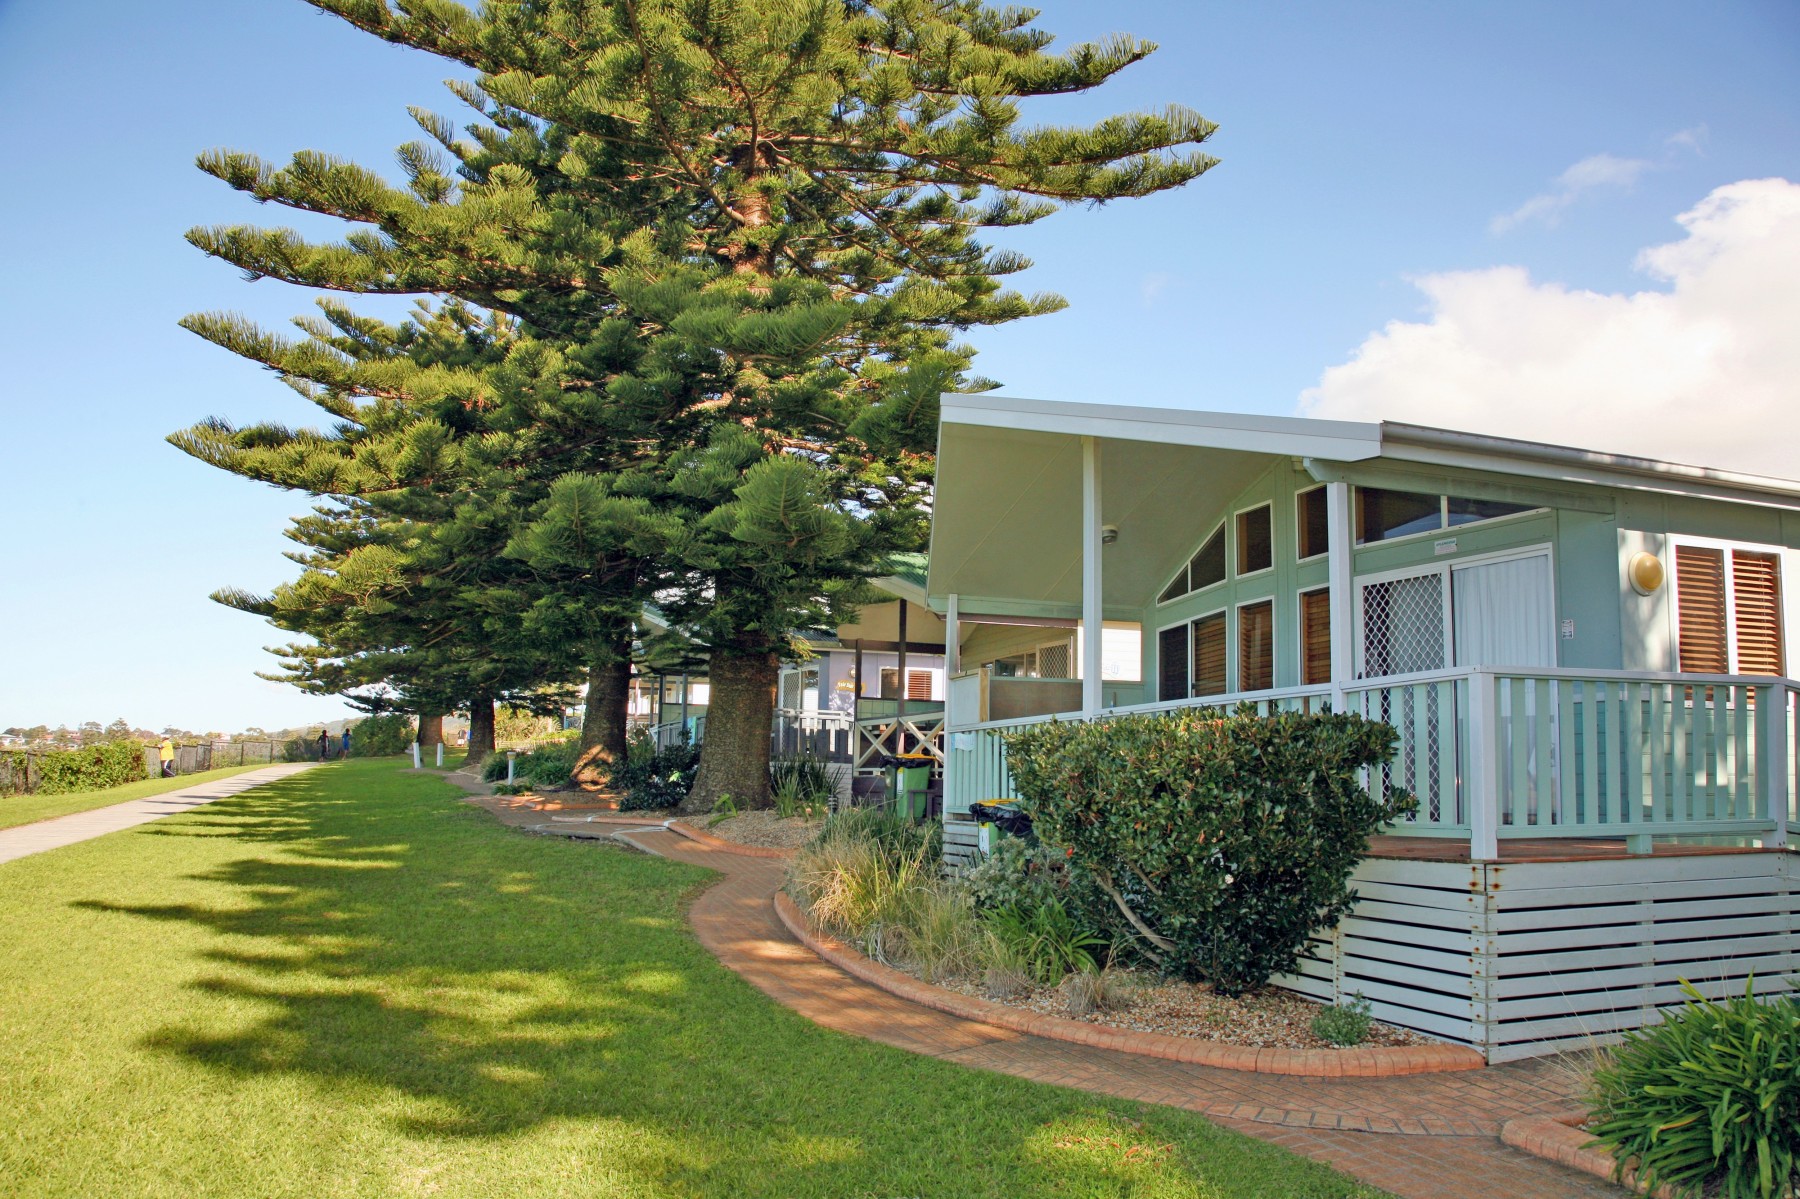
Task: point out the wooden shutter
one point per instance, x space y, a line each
1756 605
1256 646
918 684
1315 637
1172 663
1700 584
1209 655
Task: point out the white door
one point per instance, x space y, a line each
1402 623
1504 613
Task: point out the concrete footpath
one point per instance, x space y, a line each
59 831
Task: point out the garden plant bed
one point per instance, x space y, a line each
762 829
1266 1019
1420 1057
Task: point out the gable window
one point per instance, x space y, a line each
1255 541
1728 611
1203 570
1256 646
1311 523
1383 515
1315 636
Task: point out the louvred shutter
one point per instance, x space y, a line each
1209 655
1256 646
1756 600
1315 637
1700 578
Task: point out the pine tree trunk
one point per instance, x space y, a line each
481 731
734 757
603 742
431 730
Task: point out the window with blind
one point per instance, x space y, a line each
1209 655
918 684
1172 663
1728 611
1311 523
1315 636
1256 646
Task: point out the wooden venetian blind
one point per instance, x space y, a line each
1756 605
918 684
1700 583
1315 637
1256 646
1172 663
1209 655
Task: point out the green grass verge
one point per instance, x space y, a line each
24 809
346 983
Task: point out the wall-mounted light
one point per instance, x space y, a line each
1645 572
1109 534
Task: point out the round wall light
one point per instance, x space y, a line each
1646 572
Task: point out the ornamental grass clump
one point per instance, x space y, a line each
874 879
1211 844
1344 1024
1708 1098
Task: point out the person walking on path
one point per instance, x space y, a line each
344 749
324 746
166 752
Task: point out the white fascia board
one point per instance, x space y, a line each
1345 441
1501 455
902 589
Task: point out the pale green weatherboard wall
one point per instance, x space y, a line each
1614 627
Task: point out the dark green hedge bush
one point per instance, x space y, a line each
1212 844
1710 1096
652 779
381 736
90 768
548 765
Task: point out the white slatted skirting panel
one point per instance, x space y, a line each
1527 958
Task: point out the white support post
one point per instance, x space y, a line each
1092 623
1775 760
415 753
1341 571
952 642
440 753
1483 778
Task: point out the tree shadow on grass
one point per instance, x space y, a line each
460 983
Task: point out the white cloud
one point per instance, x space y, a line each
1706 372
1692 140
1591 173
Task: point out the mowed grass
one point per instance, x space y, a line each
348 983
25 809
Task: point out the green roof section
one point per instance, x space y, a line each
908 568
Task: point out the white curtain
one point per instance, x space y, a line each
1504 614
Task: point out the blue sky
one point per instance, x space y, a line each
1381 165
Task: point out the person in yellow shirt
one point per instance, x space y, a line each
167 753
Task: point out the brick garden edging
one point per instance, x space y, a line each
1560 1139
702 837
1383 1061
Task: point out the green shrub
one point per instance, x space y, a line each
63 771
1345 1024
652 778
549 765
1015 873
381 736
802 784
1226 839
1044 940
1709 1096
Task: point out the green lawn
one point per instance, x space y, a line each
347 983
23 809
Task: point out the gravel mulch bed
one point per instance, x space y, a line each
1270 1019
762 828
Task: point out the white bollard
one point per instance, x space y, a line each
415 749
511 756
440 746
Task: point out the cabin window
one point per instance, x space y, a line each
1383 514
1203 570
1256 646
1311 522
1172 663
1728 611
1209 655
1315 636
1466 512
1255 541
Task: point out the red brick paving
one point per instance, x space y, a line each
1426 1136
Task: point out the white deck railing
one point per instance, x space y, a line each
1538 752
